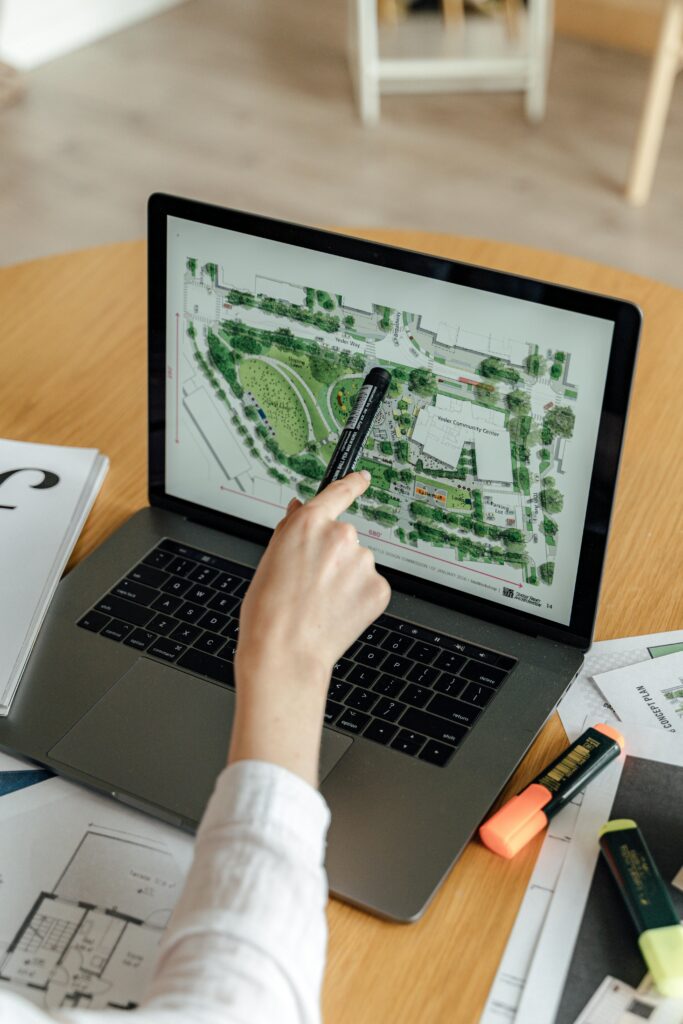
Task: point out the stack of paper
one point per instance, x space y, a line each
46 494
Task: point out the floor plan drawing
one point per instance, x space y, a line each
81 927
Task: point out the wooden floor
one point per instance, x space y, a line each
248 103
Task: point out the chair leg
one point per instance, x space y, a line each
365 50
539 32
665 65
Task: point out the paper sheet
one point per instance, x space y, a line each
615 1002
86 890
649 694
584 701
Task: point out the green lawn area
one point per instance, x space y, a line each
279 402
568 393
320 427
377 471
456 497
298 361
342 395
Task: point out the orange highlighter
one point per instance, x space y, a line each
522 817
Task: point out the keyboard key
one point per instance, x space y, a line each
341 667
207 665
390 686
226 583
166 649
506 662
163 624
483 673
232 629
200 594
436 753
361 699
362 676
176 585
332 712
189 612
430 725
140 639
424 653
338 689
352 650
454 710
211 643
126 610
352 720
477 695
410 629
186 633
449 662
370 656
451 685
396 644
407 742
137 592
380 732
228 652
203 574
373 635
416 695
181 566
242 588
223 603
470 650
396 666
388 709
424 675
149 576
214 621
117 630
167 603
158 558
93 621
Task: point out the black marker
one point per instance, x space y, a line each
357 427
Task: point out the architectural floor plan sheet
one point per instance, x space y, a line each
86 890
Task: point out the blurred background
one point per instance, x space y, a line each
250 103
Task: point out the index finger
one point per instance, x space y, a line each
337 496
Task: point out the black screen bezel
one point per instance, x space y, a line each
627 322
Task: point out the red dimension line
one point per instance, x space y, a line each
251 497
437 558
177 380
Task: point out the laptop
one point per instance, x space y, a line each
493 460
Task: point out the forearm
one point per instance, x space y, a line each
247 940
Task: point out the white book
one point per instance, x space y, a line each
46 493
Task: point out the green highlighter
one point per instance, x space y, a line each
660 932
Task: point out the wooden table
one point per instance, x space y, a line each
73 371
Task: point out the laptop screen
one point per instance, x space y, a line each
481 455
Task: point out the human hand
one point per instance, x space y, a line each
316 588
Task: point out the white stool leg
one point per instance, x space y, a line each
365 58
539 34
665 65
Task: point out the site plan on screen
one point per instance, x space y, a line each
466 454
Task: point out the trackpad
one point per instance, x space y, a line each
162 736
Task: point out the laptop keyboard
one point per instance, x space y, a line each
399 684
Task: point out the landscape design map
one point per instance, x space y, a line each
482 451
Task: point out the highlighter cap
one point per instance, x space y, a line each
662 950
517 822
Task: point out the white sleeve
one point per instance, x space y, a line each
246 943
